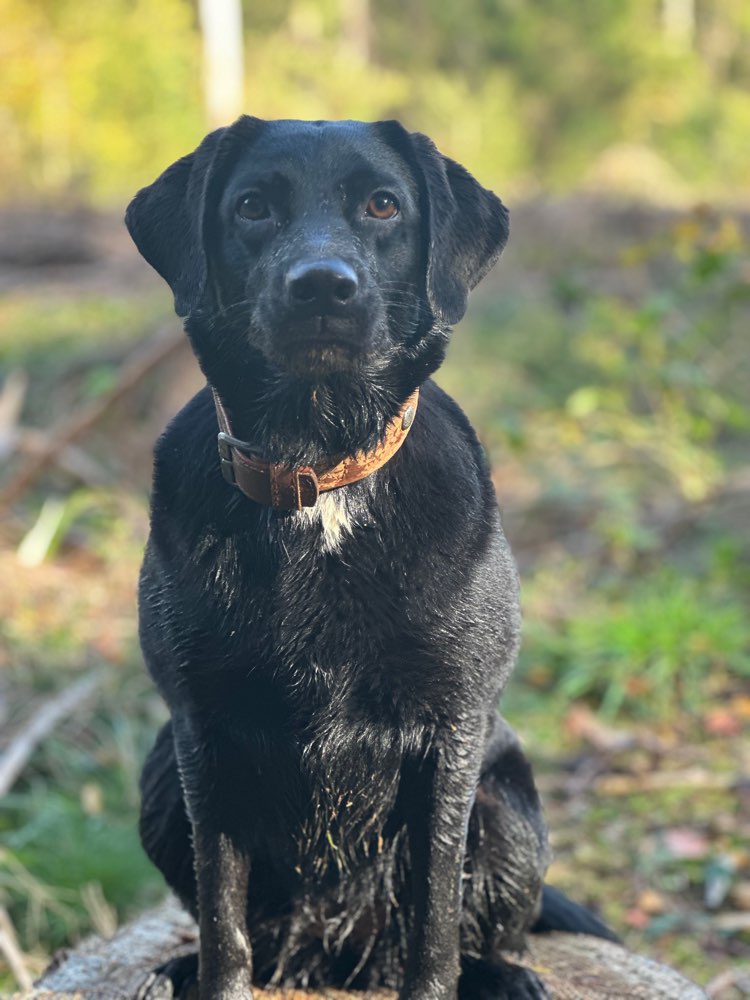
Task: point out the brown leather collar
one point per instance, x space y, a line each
285 487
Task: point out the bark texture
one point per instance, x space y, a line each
573 966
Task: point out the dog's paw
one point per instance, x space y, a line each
499 981
179 974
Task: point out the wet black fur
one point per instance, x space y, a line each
334 770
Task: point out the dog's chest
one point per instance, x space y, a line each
333 518
322 613
324 675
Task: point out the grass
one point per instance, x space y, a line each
647 650
54 328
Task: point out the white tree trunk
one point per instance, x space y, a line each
223 60
356 27
678 22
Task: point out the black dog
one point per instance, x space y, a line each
335 798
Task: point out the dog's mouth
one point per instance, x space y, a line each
320 344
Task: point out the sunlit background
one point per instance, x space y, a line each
649 97
605 364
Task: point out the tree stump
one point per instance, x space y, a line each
573 966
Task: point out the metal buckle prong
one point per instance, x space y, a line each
225 458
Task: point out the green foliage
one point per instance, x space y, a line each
625 401
625 416
50 835
70 855
42 331
650 650
668 377
99 97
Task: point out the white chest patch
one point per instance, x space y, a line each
332 513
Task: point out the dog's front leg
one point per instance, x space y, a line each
225 967
222 868
441 796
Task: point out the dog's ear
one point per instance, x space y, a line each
166 220
466 226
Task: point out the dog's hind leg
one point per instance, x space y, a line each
507 853
507 858
507 848
504 896
498 980
165 835
164 825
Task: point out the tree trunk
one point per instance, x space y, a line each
223 60
356 27
573 966
678 22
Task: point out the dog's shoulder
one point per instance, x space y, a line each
447 424
447 456
189 440
186 491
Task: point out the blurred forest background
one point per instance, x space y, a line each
605 364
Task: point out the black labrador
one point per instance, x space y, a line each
327 603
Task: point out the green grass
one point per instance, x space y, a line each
646 650
51 329
69 829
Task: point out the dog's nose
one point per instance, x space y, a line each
322 285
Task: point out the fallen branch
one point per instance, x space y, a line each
659 781
593 780
724 984
40 725
143 360
70 459
735 922
573 967
12 396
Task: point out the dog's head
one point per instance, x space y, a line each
314 249
314 229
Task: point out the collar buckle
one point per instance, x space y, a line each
226 459
294 487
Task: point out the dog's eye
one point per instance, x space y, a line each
253 206
382 205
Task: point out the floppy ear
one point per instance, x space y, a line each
466 225
166 219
